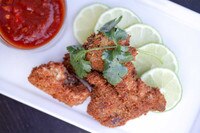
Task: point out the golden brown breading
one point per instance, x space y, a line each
66 62
54 79
99 40
114 105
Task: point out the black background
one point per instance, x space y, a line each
19 118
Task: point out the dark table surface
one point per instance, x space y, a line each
16 117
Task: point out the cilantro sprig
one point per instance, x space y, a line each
77 60
114 69
114 59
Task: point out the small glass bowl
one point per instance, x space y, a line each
46 46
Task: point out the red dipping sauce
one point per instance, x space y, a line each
28 24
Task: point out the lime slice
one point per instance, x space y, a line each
143 34
168 83
154 55
129 18
85 21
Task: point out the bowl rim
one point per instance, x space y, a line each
48 45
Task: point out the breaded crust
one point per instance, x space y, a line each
66 62
54 79
113 106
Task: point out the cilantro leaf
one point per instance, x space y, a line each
77 60
113 33
110 34
122 55
110 25
120 35
114 69
115 72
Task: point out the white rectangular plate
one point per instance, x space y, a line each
180 29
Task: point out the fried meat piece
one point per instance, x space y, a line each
66 62
99 40
54 79
114 105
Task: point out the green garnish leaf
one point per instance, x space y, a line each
77 60
113 33
114 69
114 73
120 35
122 55
110 25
